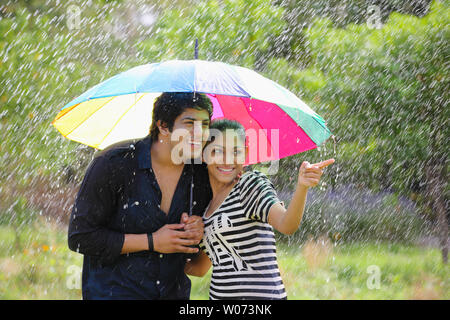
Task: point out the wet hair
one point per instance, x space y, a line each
169 105
226 124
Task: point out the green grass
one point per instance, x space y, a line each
314 271
38 265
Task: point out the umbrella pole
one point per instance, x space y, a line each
196 49
195 55
191 196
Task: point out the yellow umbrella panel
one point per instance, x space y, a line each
90 122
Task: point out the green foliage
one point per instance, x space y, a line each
360 217
234 31
18 214
383 96
300 14
43 65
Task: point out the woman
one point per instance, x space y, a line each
239 240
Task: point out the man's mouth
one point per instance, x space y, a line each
195 143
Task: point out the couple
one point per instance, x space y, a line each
130 216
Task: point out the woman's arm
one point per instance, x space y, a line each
198 266
288 220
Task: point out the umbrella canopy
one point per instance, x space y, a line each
278 123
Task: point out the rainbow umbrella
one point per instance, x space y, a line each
277 122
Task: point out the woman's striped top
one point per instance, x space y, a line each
241 244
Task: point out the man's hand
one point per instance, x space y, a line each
171 238
309 174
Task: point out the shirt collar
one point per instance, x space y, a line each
143 150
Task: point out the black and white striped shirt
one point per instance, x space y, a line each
241 243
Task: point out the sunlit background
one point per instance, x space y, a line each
377 71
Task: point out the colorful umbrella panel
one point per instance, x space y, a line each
277 123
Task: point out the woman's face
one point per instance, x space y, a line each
225 156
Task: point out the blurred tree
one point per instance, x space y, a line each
386 94
238 32
45 61
300 14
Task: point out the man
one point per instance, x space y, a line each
129 219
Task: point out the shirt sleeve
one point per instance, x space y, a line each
95 203
258 195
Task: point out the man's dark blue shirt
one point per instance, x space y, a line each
119 195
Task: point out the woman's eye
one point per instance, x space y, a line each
217 151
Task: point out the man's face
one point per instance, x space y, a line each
189 135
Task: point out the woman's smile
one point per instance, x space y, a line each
226 170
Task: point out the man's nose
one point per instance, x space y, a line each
198 130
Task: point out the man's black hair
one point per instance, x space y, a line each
169 105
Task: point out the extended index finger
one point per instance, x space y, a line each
323 164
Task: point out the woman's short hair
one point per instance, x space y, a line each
223 125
